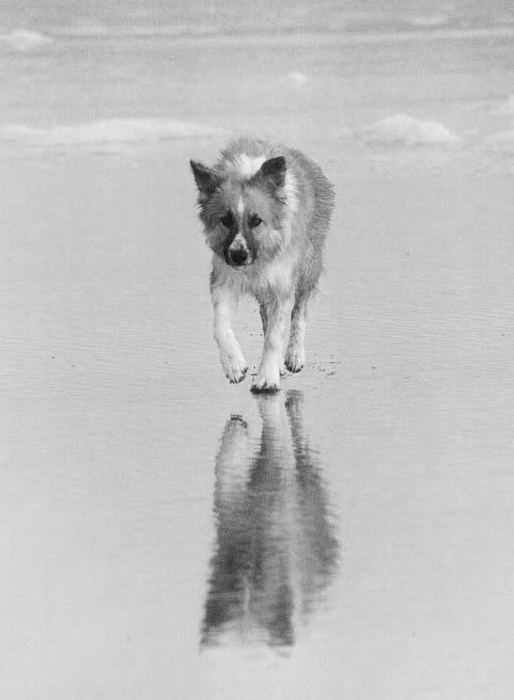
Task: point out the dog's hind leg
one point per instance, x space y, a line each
231 356
264 318
295 353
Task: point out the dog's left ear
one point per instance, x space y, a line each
205 178
274 169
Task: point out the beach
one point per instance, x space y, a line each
169 535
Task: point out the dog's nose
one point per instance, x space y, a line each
238 256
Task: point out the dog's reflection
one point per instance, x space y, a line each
276 547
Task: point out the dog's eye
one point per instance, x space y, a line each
254 221
227 219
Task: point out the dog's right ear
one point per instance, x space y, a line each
206 180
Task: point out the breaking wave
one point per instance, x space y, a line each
25 41
111 131
402 130
344 30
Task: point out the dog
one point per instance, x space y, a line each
266 210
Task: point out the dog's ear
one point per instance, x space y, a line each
274 169
206 180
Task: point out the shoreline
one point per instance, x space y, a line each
265 36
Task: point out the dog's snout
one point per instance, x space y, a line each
238 256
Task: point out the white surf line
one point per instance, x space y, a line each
323 38
126 131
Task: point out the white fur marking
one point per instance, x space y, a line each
291 191
248 166
240 206
239 240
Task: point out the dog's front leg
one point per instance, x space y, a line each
231 356
268 376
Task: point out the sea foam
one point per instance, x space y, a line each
25 41
402 130
297 78
429 21
110 131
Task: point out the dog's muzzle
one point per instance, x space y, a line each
238 254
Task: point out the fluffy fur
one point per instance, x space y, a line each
266 211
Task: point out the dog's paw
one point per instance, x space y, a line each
236 375
237 421
266 384
295 359
235 369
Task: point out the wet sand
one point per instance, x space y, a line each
166 534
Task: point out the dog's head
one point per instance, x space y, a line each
242 215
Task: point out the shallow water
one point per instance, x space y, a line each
166 534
